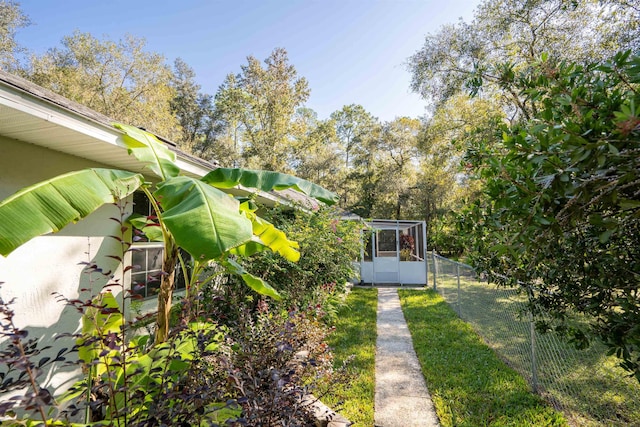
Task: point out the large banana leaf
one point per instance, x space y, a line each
267 181
150 228
266 235
148 149
275 239
203 220
255 283
50 205
252 247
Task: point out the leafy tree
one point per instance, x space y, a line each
507 35
192 214
258 106
560 216
317 154
228 104
399 163
459 122
11 20
225 147
118 79
443 186
361 187
194 111
355 128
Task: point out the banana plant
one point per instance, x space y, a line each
193 214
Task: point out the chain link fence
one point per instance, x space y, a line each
586 385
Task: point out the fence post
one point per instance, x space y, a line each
435 270
534 367
458 274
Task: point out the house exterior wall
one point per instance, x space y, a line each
52 263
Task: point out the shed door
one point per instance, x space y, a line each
386 257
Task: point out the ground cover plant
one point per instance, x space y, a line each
469 384
354 340
255 370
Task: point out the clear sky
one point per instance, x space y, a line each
350 51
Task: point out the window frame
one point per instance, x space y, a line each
139 245
143 289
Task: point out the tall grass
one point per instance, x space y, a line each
355 336
469 384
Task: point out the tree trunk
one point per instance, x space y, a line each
166 292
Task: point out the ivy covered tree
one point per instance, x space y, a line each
560 216
507 35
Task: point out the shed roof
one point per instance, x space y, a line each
392 224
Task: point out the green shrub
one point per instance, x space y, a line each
328 248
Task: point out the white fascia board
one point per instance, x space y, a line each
96 132
52 113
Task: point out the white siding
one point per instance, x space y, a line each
51 264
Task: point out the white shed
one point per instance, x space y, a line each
394 252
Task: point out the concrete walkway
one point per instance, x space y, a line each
402 398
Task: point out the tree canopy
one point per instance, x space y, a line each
11 19
193 109
258 106
507 35
561 212
119 79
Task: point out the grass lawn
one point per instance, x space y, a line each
469 384
355 335
588 385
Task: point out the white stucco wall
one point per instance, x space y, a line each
51 263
